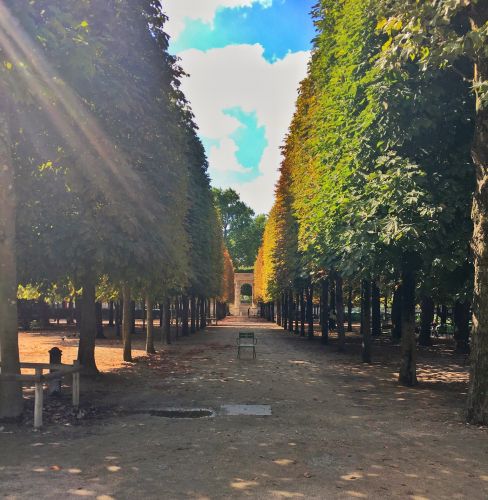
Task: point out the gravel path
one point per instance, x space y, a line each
338 429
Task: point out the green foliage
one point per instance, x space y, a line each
377 164
111 175
242 229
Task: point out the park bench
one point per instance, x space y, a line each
212 320
246 340
56 372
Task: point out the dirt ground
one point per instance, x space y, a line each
338 429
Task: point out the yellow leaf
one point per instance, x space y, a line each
84 24
8 65
387 44
398 25
381 23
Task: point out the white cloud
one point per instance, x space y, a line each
239 76
204 10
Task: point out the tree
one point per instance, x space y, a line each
242 229
453 36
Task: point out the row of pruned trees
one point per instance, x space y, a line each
379 172
103 180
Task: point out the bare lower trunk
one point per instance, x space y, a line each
349 310
150 326
203 313
339 297
461 321
302 313
366 320
310 331
375 309
408 366
297 313
132 317
290 310
166 330
88 327
278 312
11 403
111 313
324 311
477 410
285 311
396 314
184 316
426 320
99 318
193 314
127 323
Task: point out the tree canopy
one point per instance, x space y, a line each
242 228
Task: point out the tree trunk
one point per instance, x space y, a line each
203 313
118 317
132 317
88 327
111 313
278 312
193 314
184 317
426 320
461 322
127 323
70 320
396 314
349 310
177 315
477 411
408 366
11 403
332 302
297 313
150 326
375 310
285 311
366 320
302 313
290 310
166 330
143 314
339 296
99 316
324 312
443 315
310 332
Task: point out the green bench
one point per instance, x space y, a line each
246 340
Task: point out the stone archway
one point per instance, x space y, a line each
243 307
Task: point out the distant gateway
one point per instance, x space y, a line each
244 295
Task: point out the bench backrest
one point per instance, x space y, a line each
246 335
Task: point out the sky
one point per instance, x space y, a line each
245 59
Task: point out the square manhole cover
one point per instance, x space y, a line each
254 410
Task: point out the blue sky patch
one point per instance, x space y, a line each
283 27
250 138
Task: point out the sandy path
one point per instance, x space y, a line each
338 430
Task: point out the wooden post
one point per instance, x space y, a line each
38 400
76 385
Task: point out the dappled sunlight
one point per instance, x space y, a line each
284 461
356 494
286 494
242 484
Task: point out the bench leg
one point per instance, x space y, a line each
38 403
